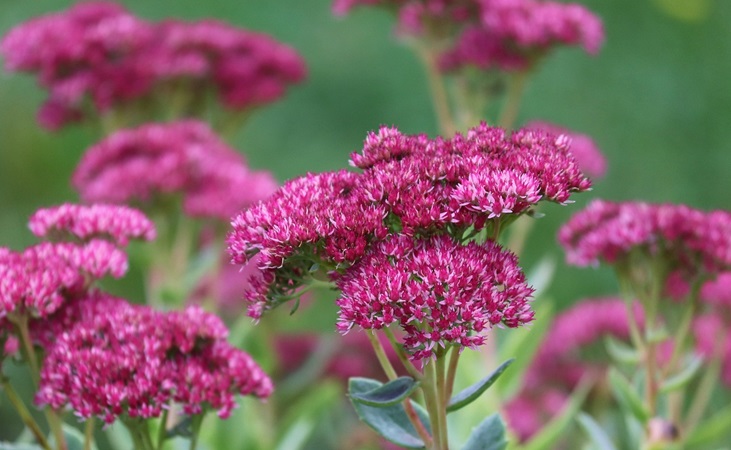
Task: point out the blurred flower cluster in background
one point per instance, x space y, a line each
226 127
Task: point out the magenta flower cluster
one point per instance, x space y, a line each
712 335
105 357
117 223
590 159
684 237
97 56
129 360
37 281
179 158
558 366
493 34
410 185
512 34
439 291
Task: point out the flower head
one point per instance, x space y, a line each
131 360
244 68
184 158
37 280
588 156
96 56
440 292
120 223
489 34
323 213
468 179
91 51
409 185
684 237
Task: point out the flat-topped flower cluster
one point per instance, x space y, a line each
123 359
492 34
687 239
184 158
106 357
426 197
96 57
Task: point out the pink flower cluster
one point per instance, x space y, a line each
717 294
558 366
439 291
503 34
98 55
588 156
37 280
119 223
687 238
411 185
127 360
511 34
713 340
184 157
324 210
414 16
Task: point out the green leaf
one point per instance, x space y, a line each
470 394
541 275
549 435
596 433
387 394
621 352
488 435
297 435
311 405
627 396
681 379
658 334
11 446
390 422
712 430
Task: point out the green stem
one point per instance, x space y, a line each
402 356
519 232
683 331
24 414
140 434
634 328
496 230
162 430
54 423
452 372
469 104
437 90
391 374
431 401
89 433
658 276
509 113
706 387
416 422
21 325
381 355
442 399
196 428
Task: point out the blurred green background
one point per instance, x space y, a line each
657 100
